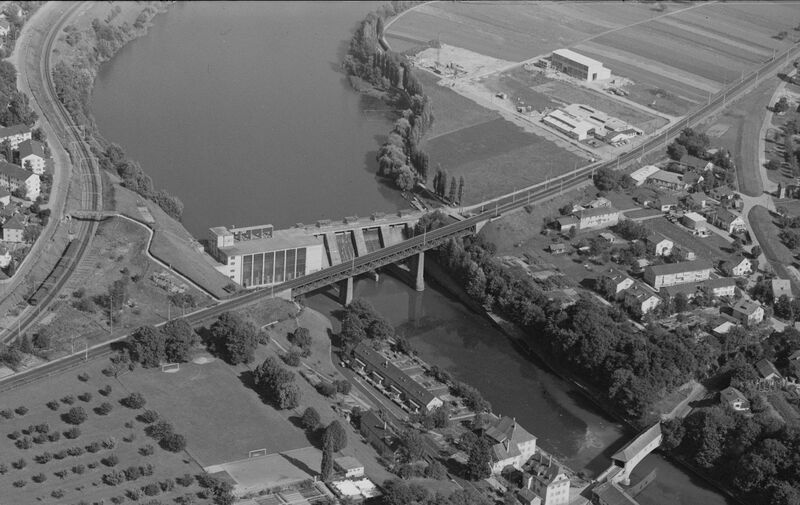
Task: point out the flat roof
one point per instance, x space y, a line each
291 238
694 216
577 57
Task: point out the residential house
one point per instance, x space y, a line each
610 493
747 312
728 221
511 444
31 156
658 245
684 252
614 281
699 199
735 398
641 300
548 480
528 497
766 369
641 175
378 434
5 28
558 248
694 221
599 202
721 286
666 203
667 180
5 197
670 274
377 369
692 179
13 230
608 237
15 135
567 223
349 466
723 329
722 193
601 217
695 163
13 177
781 287
736 267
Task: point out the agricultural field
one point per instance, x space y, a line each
675 55
69 466
496 157
452 111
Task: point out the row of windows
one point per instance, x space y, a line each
273 267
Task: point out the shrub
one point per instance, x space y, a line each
148 416
21 410
147 450
92 465
58 493
326 389
167 485
75 415
116 500
93 447
186 480
85 397
291 358
78 469
23 443
160 430
174 442
42 428
134 401
43 458
133 494
14 435
60 454
19 464
72 433
343 386
75 451
7 414
39 477
113 478
310 419
3 469
61 474
132 473
147 470
111 460
109 443
103 409
106 390
68 400
130 437
40 438
20 483
53 405
186 499
151 489
54 437
83 377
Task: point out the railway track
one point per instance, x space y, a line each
91 192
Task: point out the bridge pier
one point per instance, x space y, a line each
346 291
419 284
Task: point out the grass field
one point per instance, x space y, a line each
87 485
713 248
495 157
451 110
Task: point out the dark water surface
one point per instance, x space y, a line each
240 110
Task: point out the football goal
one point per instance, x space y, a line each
170 367
257 452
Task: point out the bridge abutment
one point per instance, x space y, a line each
346 291
419 283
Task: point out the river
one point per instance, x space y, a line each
239 110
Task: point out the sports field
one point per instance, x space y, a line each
675 54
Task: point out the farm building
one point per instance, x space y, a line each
641 175
601 217
579 66
670 274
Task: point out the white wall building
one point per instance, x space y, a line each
15 134
31 153
14 176
579 66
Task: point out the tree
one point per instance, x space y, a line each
479 460
75 415
676 151
335 435
31 232
453 189
460 189
277 384
755 251
174 442
680 303
783 307
326 471
310 420
236 337
605 179
773 164
413 446
134 400
118 293
781 106
147 346
179 338
380 329
301 338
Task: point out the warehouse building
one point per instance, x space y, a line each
579 66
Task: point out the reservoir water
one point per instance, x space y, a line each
240 111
